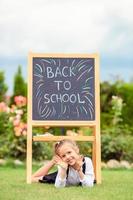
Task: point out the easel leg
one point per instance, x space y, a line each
29 155
96 155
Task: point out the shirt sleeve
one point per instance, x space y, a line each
88 179
59 183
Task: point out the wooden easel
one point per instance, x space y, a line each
94 124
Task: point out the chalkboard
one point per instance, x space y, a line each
63 88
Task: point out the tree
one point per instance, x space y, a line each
126 92
3 86
20 87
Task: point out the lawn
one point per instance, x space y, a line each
116 185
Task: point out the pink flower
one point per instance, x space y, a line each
21 129
24 132
17 131
20 101
16 122
18 117
4 107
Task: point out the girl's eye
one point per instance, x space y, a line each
69 152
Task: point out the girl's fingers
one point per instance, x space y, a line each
55 159
63 165
60 162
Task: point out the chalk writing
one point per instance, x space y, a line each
63 89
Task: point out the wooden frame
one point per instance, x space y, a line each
95 124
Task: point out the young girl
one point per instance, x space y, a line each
73 169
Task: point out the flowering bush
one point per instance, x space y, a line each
13 131
13 124
18 116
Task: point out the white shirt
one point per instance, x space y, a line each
73 176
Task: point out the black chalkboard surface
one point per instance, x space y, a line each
63 89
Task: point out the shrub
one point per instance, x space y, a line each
117 147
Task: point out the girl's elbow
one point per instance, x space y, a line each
59 186
91 184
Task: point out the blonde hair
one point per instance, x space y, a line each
65 141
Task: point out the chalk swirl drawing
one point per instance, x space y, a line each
63 89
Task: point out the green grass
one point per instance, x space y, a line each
116 185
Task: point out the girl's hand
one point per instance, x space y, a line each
60 162
77 166
54 160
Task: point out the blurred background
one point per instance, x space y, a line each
72 26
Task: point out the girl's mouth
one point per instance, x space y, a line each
71 161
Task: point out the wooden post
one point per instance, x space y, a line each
29 121
97 143
96 155
29 153
94 151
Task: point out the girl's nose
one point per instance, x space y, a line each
67 157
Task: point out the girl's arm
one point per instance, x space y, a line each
61 178
43 171
62 173
87 179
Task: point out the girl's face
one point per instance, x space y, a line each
69 154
